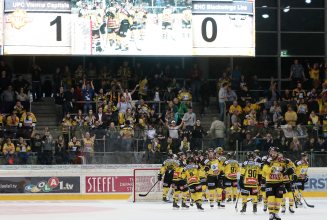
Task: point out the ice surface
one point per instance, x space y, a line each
119 210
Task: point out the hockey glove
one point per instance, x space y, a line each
159 177
241 183
294 178
306 179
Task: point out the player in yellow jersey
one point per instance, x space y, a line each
199 159
231 168
112 24
301 177
257 158
180 185
274 168
125 24
167 169
132 12
191 173
102 22
141 17
186 22
214 173
167 19
249 180
287 180
263 180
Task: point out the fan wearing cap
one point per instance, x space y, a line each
185 96
301 177
231 168
249 180
173 132
288 177
191 173
274 169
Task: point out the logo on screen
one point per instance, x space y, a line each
19 19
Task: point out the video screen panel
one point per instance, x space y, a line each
103 27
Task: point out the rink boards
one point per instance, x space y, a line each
96 182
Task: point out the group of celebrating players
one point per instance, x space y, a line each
122 21
270 179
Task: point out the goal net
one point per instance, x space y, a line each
144 179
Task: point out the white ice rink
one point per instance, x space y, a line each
119 210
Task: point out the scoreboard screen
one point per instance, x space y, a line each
104 27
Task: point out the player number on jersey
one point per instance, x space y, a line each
57 21
252 173
204 29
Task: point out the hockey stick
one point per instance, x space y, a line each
294 197
143 195
238 196
191 200
311 206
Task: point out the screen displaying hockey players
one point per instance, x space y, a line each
139 28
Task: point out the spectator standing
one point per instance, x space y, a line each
169 95
156 96
66 124
290 116
70 99
236 75
74 148
122 106
128 95
267 143
205 96
127 134
236 134
296 73
60 151
189 118
60 99
217 131
287 99
175 86
197 135
4 81
195 75
8 98
97 131
47 143
246 96
299 93
88 146
185 132
87 96
312 98
36 82
315 122
21 83
302 111
222 99
101 118
184 96
242 82
255 85
173 132
36 144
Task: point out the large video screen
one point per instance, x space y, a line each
139 27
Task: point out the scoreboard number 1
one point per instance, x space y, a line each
204 29
58 22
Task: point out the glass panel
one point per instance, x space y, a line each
20 64
302 20
302 3
266 44
297 44
266 3
263 67
266 19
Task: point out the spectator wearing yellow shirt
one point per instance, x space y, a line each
222 80
299 93
22 148
66 124
302 110
12 120
8 151
249 117
99 97
322 102
235 106
314 72
127 134
184 96
19 109
28 119
2 120
250 106
290 116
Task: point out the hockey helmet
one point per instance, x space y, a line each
190 159
230 155
304 154
210 150
180 154
168 6
250 155
188 152
188 7
256 152
200 152
170 156
219 150
274 149
196 153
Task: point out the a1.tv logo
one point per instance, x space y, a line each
47 186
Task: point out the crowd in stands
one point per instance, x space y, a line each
111 109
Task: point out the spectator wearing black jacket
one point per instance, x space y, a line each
36 82
156 96
169 145
21 83
153 118
169 95
5 67
60 98
4 81
267 143
236 134
321 145
70 99
100 136
57 76
248 144
197 135
205 94
156 81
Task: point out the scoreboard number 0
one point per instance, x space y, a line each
204 29
58 22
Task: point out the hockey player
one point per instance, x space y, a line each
112 23
168 167
301 176
83 12
167 20
180 185
249 181
96 22
132 12
274 169
125 23
231 168
102 22
287 180
258 159
141 17
186 22
263 180
199 159
192 175
214 173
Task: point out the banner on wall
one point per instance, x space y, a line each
38 185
